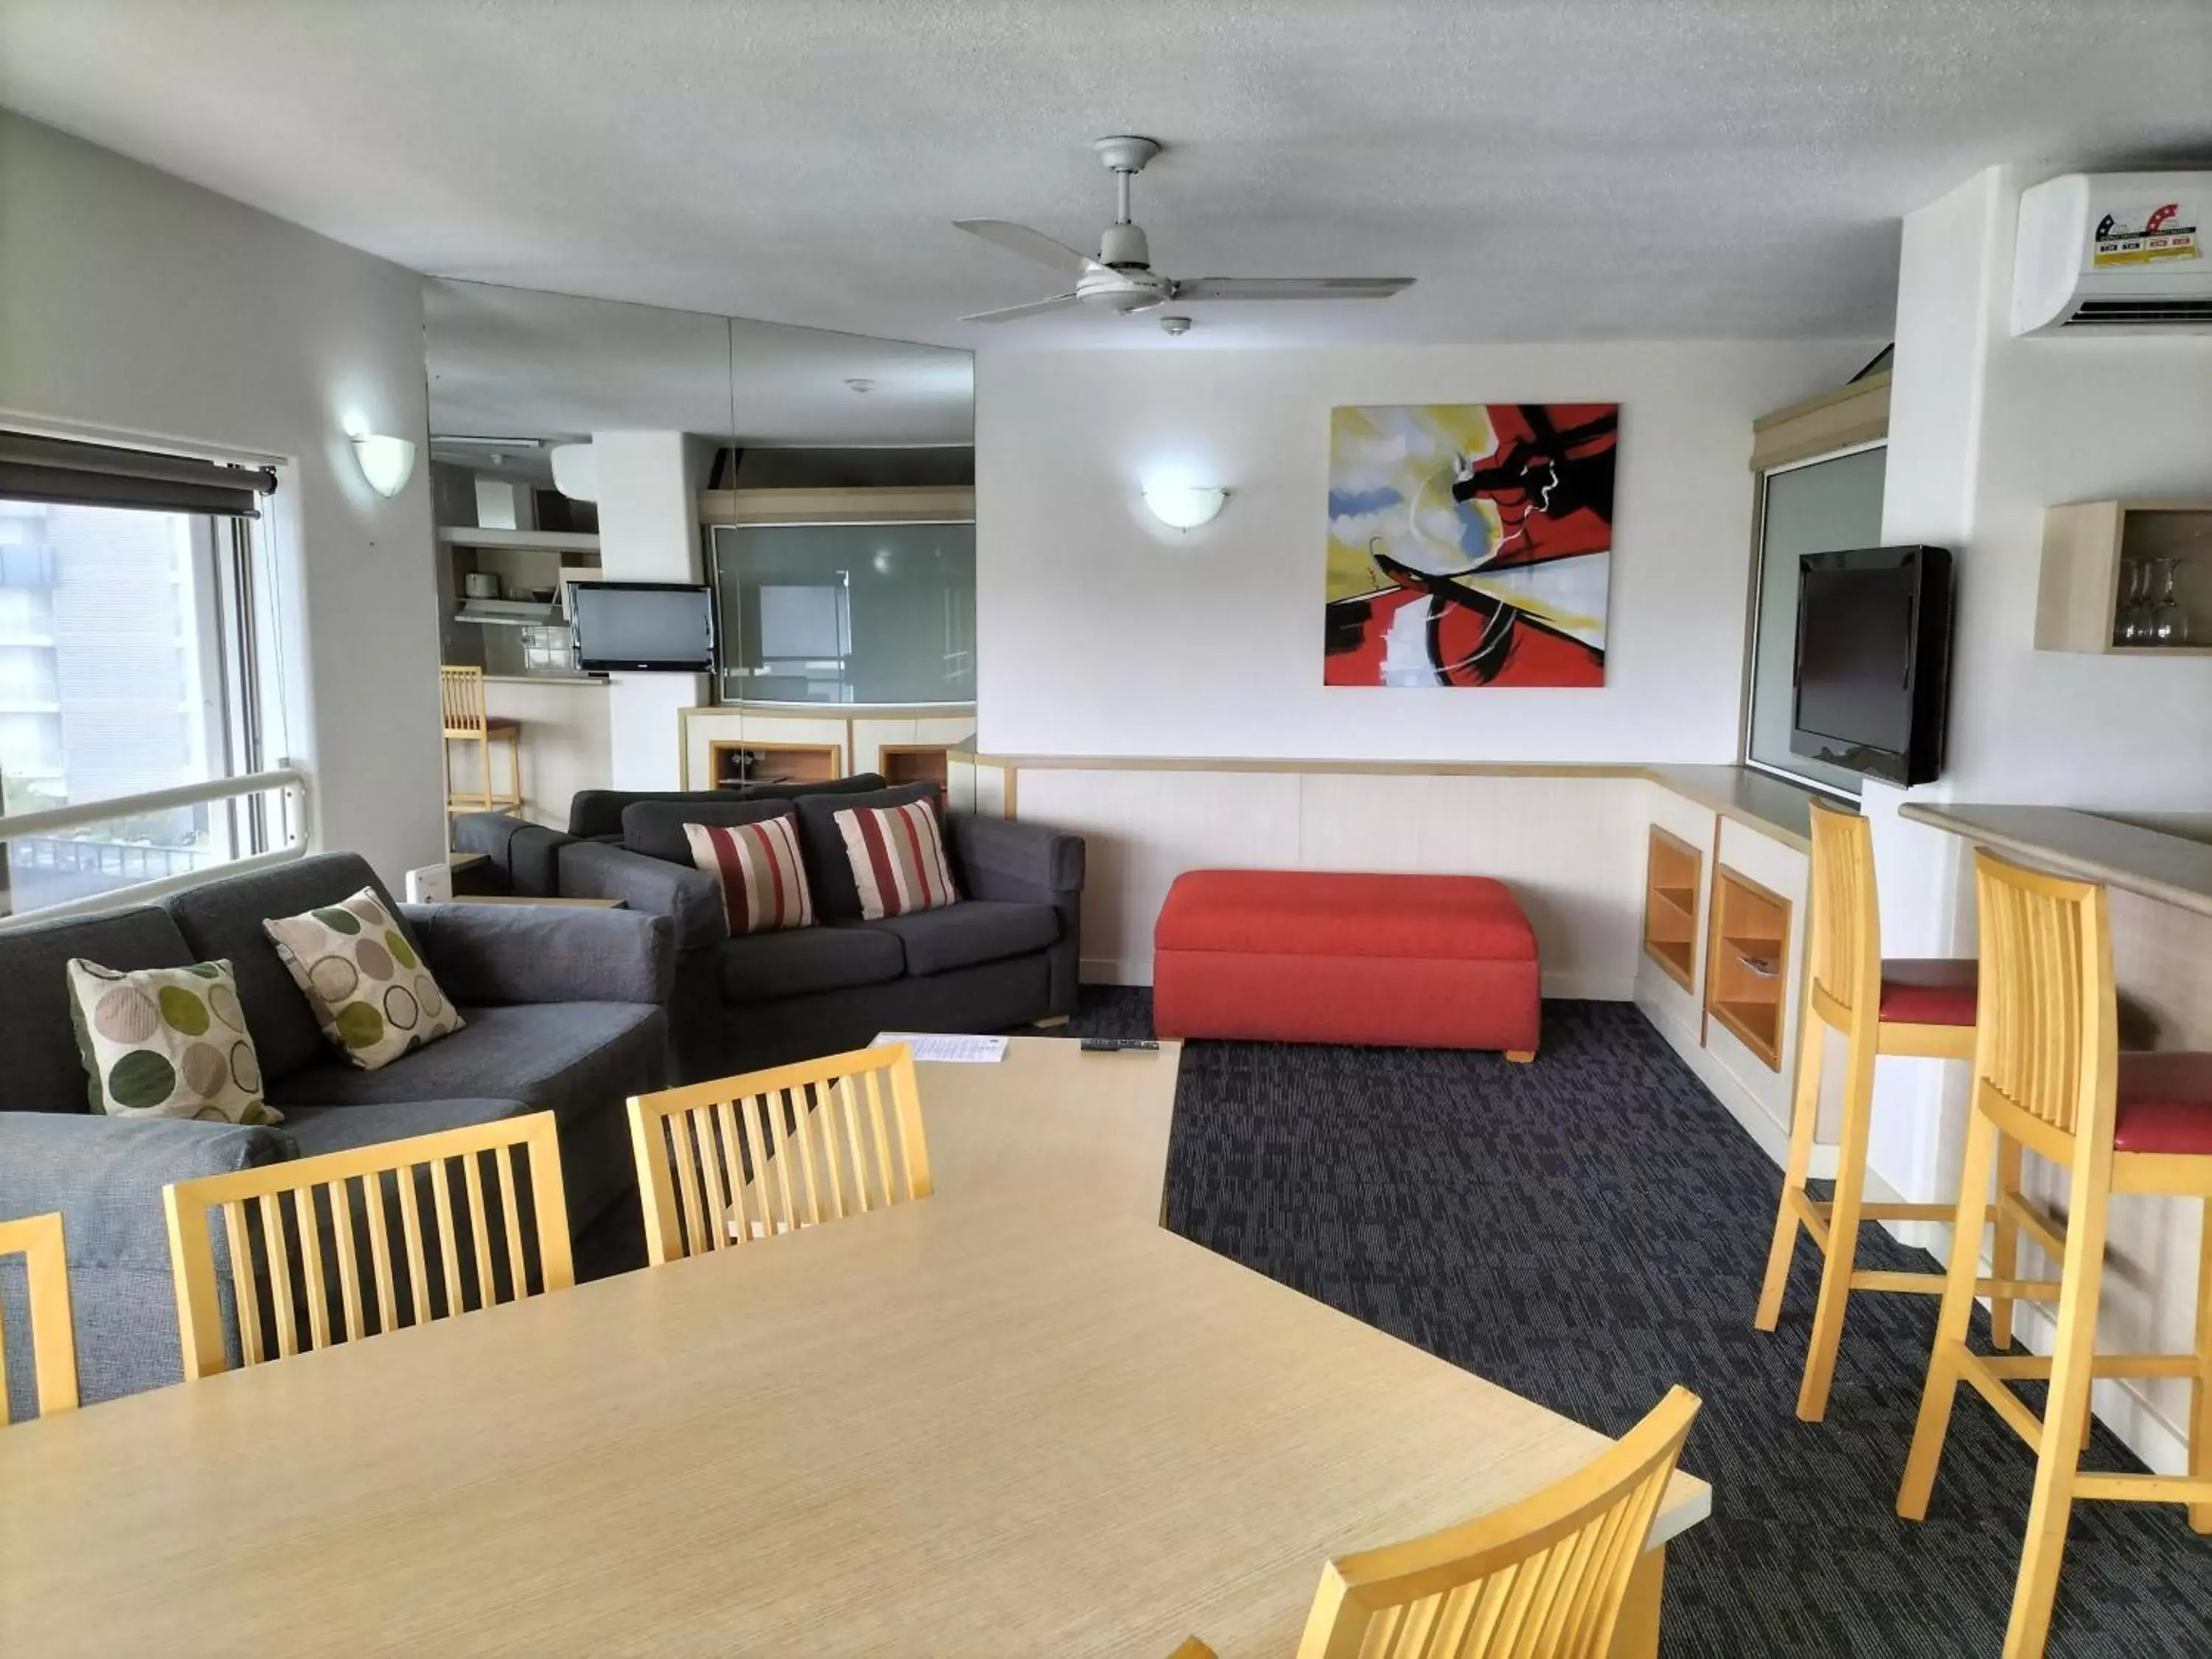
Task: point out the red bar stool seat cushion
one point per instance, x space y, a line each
2165 1103
1929 992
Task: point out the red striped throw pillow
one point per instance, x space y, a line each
898 857
757 867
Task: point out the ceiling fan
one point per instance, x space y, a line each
1120 278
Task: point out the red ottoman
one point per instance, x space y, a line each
1310 956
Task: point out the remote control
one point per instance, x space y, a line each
1120 1046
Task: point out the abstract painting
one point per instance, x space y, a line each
1469 543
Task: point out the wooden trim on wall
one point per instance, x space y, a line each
954 503
1842 419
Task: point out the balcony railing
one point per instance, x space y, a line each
99 874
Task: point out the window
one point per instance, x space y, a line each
126 666
873 613
1823 505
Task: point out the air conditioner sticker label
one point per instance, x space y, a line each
2142 236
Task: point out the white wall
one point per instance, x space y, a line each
649 532
1986 431
134 303
1100 633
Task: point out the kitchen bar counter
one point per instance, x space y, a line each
2173 869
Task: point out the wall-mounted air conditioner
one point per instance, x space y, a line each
2105 252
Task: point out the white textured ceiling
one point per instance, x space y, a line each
1548 169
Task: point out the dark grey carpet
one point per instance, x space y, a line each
1590 1228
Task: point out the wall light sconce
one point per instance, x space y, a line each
1184 507
386 462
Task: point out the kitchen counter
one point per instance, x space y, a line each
2176 870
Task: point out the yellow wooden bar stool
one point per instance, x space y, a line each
2048 1075
461 692
1881 1007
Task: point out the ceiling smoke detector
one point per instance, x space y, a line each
862 386
1174 326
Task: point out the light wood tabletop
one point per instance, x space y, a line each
1016 1417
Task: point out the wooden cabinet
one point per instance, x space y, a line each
745 760
2090 549
1748 963
1672 870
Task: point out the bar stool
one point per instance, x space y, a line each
461 692
1895 1007
2048 1075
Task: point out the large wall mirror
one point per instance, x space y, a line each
815 488
841 466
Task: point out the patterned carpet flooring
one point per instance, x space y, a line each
1590 1228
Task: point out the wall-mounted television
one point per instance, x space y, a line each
1874 651
643 627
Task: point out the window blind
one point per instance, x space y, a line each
37 469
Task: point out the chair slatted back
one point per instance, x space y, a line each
322 1250
39 1240
747 1157
461 690
1544 1578
2048 1036
1844 955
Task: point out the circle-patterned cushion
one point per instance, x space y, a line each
371 993
167 1042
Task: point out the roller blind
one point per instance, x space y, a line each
36 468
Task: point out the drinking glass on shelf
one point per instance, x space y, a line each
2133 624
2169 623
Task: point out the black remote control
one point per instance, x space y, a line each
1120 1046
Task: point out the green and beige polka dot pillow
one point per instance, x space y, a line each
167 1042
371 993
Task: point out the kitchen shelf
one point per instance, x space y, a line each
741 761
2087 546
1749 923
535 541
1672 873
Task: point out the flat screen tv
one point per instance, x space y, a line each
643 627
1874 649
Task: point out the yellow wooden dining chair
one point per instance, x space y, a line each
1878 1007
461 694
2049 1075
1560 1574
38 1240
316 1256
746 1157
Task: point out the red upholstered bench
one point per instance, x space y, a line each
1310 956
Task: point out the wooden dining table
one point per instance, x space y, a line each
1016 1417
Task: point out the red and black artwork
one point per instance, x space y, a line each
1470 544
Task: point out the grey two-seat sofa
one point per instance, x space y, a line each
566 1012
1005 955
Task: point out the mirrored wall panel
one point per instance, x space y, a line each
828 478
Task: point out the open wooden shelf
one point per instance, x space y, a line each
739 761
916 762
1750 926
1672 873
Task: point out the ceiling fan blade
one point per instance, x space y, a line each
1292 288
1006 315
1030 244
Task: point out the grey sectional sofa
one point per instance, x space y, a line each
566 1012
1005 955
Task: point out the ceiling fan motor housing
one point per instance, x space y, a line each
1123 247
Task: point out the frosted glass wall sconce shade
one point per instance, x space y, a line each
386 462
1184 507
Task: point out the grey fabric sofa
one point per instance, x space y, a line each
566 1013
1006 955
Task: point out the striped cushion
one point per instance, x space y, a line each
757 867
898 857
